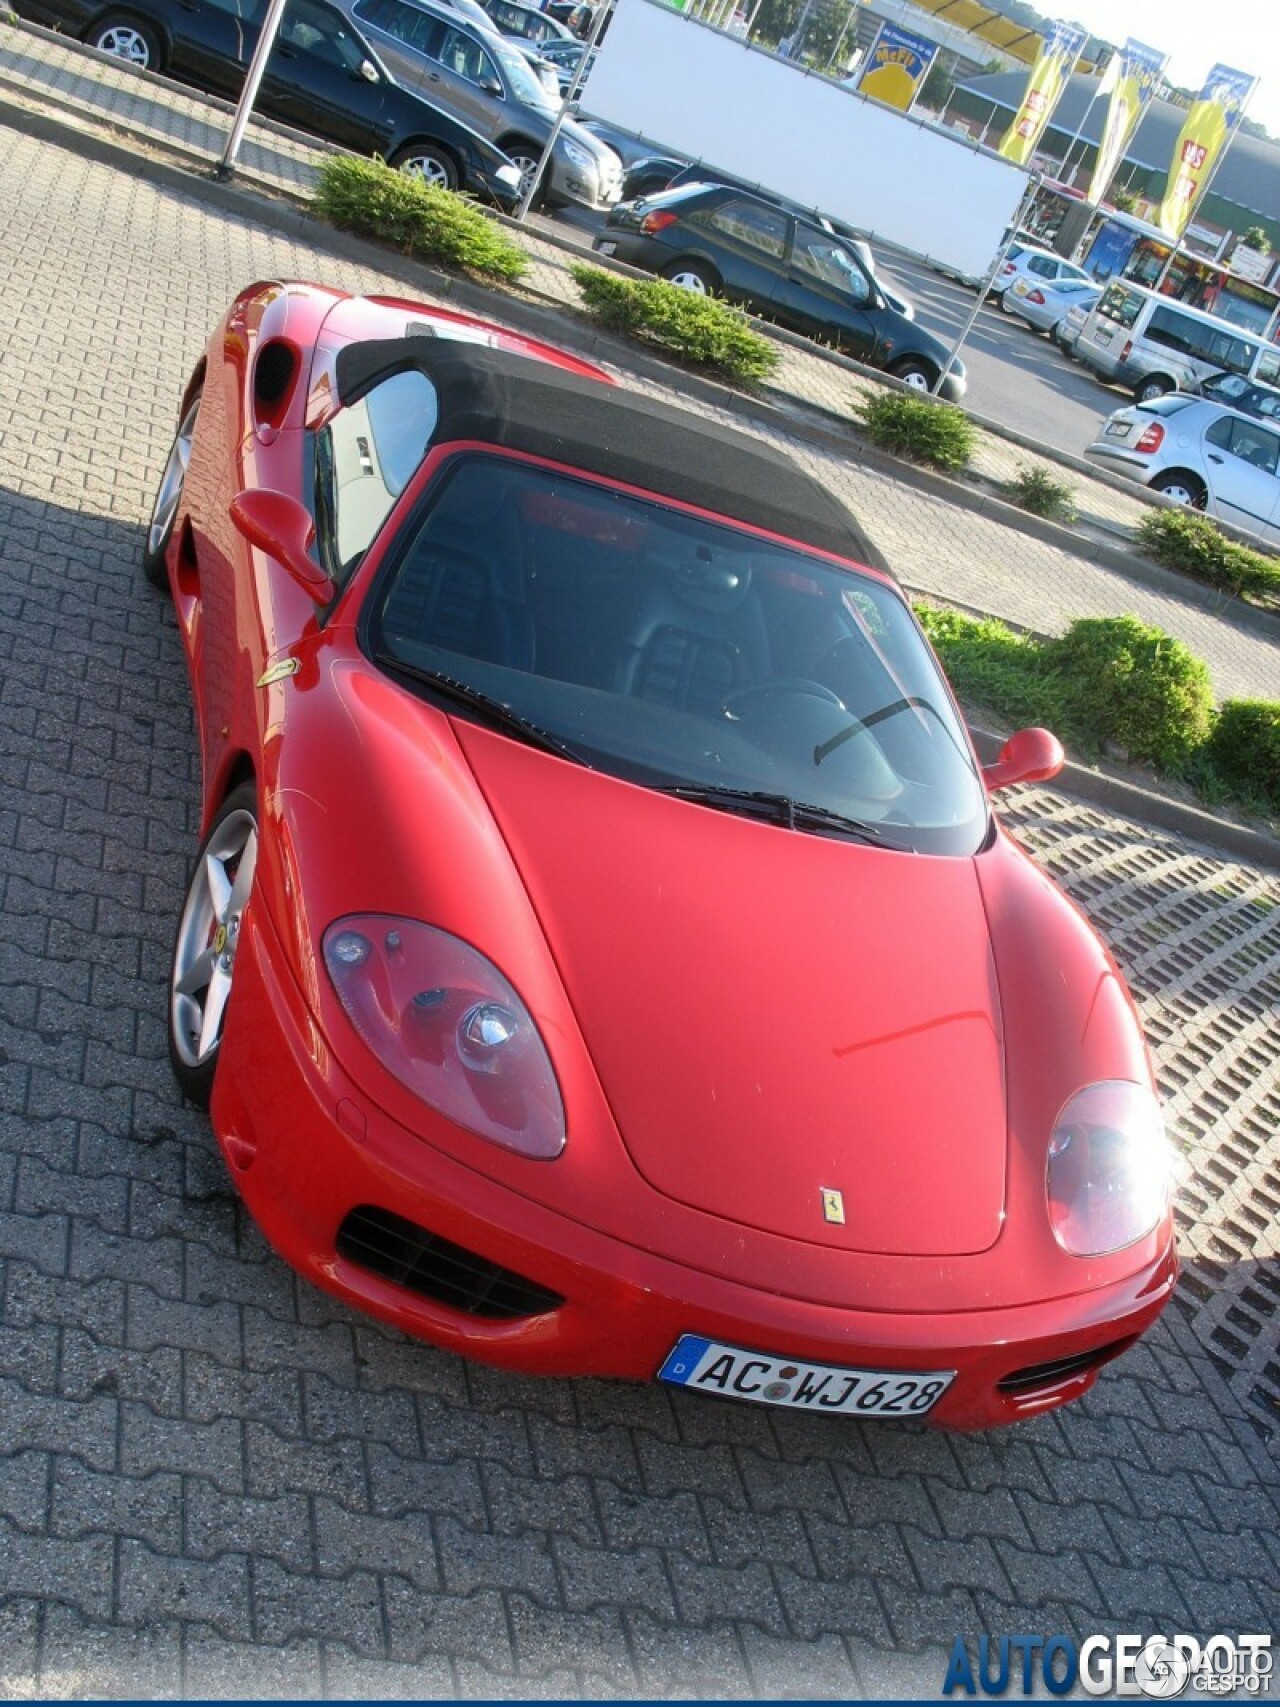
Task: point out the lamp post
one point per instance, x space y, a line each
249 94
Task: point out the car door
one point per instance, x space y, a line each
465 80
213 41
824 293
1242 460
746 240
314 79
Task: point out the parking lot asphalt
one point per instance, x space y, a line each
214 1481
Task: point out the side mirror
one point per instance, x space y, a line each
369 71
491 86
282 527
1032 755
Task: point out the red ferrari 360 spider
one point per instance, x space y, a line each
602 957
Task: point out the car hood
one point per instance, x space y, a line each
773 1016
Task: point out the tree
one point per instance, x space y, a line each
938 86
1256 238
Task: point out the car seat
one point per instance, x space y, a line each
697 634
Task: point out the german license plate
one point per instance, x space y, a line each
607 248
707 1366
1021 287
1119 429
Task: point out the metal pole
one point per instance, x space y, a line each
603 9
1084 119
1024 207
249 94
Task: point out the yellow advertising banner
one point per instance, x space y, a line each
1209 126
896 66
1140 70
1059 52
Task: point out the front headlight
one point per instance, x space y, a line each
1111 1169
509 175
578 155
447 1024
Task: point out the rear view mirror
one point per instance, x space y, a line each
1032 755
282 527
369 71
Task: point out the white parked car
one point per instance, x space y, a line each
1200 453
1036 266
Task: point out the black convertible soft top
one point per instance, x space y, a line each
494 397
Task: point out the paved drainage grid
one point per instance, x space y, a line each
1199 941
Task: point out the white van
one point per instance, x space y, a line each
1152 344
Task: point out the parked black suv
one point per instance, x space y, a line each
720 240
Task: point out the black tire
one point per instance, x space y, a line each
204 949
1153 386
128 38
696 276
164 512
1181 484
428 161
916 373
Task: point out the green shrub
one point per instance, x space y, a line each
1185 540
1112 678
1037 491
916 427
1128 683
1244 749
696 329
369 197
992 667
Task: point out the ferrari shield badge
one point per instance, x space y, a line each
833 1205
280 671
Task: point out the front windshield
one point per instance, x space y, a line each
678 652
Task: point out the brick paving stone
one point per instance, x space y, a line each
215 1481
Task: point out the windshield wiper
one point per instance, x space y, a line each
909 702
475 699
781 809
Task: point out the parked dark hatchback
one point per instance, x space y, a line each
720 240
322 76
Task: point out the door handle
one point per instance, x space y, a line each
1214 457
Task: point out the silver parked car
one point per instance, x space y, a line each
1045 305
1201 453
1038 266
479 76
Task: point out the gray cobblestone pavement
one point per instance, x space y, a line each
214 1481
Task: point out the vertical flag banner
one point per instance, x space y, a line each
1059 52
1210 125
896 66
1140 69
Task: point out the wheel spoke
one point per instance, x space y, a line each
243 884
215 1003
218 885
198 975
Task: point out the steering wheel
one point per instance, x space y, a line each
777 687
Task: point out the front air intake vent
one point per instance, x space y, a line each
435 1268
1038 1376
274 374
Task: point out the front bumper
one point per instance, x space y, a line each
306 1146
953 387
589 186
